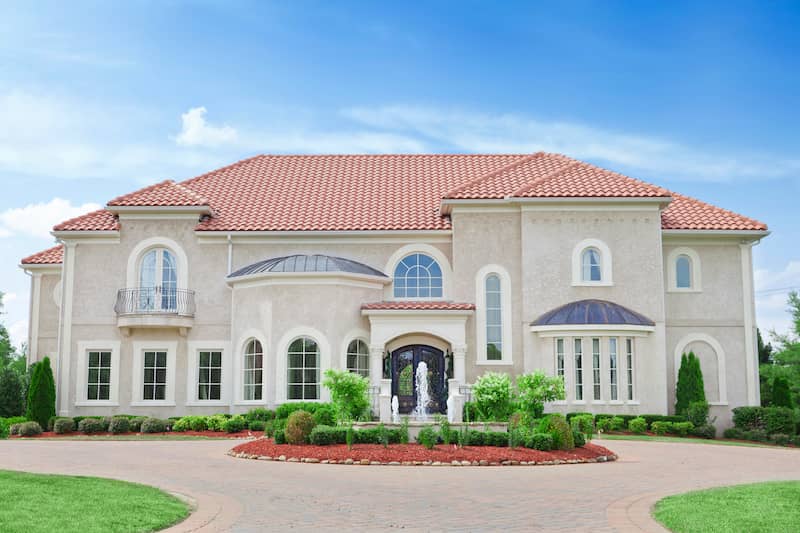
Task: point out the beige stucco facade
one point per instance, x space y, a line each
531 248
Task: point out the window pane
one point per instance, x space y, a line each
683 272
149 375
311 360
149 358
93 375
160 392
296 375
161 375
105 375
296 346
295 360
215 392
494 351
216 375
92 392
216 358
590 263
310 392
94 358
295 392
161 358
204 358
105 359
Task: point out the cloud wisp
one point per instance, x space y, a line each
36 220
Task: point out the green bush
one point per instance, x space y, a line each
376 435
349 394
106 422
13 429
41 403
540 441
746 418
179 426
428 437
280 437
689 387
63 425
153 425
29 429
537 388
217 422
697 413
614 423
770 419
11 388
403 431
52 422
682 428
135 423
758 435
284 410
325 416
733 433
260 413
573 414
119 424
661 427
492 396
298 427
15 420
638 425
327 435
197 423
578 438
89 426
3 429
583 424
470 413
781 439
662 418
235 424
557 426
256 425
781 392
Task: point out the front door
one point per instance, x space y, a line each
404 369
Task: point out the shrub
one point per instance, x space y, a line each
348 437
90 425
470 412
690 386
15 420
349 394
573 414
197 423
326 435
217 422
236 424
29 429
51 424
106 422
13 429
614 423
3 429
298 427
325 416
476 438
119 424
663 418
583 424
256 425
403 431
284 410
779 420
179 426
706 431
661 427
41 394
536 388
697 413
63 425
638 425
427 437
492 394
682 428
733 433
135 423
557 426
578 438
260 413
540 441
746 418
495 438
758 435
781 439
153 425
781 392
11 400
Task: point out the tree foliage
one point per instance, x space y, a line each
42 394
784 360
781 394
11 387
492 396
536 388
349 394
690 387
764 350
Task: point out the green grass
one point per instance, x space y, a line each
35 503
687 440
760 507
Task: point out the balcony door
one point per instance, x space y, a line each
158 281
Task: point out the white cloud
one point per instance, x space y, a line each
772 289
18 332
197 132
36 220
9 297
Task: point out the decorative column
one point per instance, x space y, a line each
376 364
460 363
383 386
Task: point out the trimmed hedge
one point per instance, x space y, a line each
235 424
638 425
770 419
280 437
260 413
153 425
286 409
135 423
3 429
256 425
119 424
63 425
540 441
90 426
326 435
578 438
29 429
661 427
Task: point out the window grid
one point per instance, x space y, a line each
578 369
209 380
596 368
629 367
612 368
418 276
358 358
494 319
590 263
560 358
99 378
253 370
155 375
303 370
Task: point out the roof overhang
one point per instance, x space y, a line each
159 209
580 330
41 268
417 312
747 235
309 278
447 204
86 234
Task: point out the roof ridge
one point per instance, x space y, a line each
534 183
187 181
724 210
493 173
138 191
90 213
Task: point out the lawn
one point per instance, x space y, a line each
719 442
42 503
760 507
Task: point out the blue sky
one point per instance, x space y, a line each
97 99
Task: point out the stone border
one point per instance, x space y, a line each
367 462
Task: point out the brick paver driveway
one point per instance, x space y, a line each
246 495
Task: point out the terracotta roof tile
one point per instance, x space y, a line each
691 214
418 306
51 256
100 220
165 193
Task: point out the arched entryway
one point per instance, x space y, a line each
404 363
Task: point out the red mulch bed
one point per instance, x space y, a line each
212 434
416 452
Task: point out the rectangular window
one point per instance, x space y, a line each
560 358
209 381
612 367
629 366
99 379
155 375
579 369
494 319
596 368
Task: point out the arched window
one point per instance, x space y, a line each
158 281
418 276
494 318
303 370
358 357
683 272
591 267
253 370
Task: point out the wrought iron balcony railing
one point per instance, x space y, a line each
155 301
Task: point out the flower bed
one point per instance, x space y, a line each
245 434
415 454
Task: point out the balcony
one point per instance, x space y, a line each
155 307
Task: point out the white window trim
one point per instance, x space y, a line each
722 382
137 374
281 356
635 396
427 249
567 381
672 275
353 335
83 373
480 315
192 359
238 368
606 264
144 246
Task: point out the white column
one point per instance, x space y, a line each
376 364
750 340
460 363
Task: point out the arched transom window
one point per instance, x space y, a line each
358 357
494 318
303 370
253 370
158 280
591 266
418 276
683 272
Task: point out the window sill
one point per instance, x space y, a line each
201 403
632 402
250 402
592 284
718 403
579 402
152 403
97 403
685 291
487 362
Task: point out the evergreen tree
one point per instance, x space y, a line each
42 394
11 402
682 387
7 352
781 395
690 387
764 350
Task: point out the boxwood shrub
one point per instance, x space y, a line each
63 425
286 409
235 424
770 419
119 424
327 435
662 418
280 437
153 425
13 429
299 426
733 433
578 438
256 425
557 426
135 423
638 425
29 429
90 425
260 413
496 438
325 415
217 422
540 441
682 428
583 423
428 437
661 427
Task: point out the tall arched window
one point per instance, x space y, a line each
591 268
683 272
158 281
303 370
418 276
253 370
494 318
358 357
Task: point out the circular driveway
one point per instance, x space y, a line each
247 495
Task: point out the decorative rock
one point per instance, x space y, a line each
514 463
465 463
393 463
483 462
505 463
602 459
348 461
293 460
282 458
265 458
417 463
373 462
333 462
494 464
455 463
408 463
436 463
324 462
312 460
523 463
364 462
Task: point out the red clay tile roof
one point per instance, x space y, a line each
418 306
691 214
51 256
165 193
100 220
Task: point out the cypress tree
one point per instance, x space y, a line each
699 389
11 402
690 387
682 387
781 395
42 394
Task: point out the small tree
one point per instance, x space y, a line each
535 389
349 394
11 403
781 395
492 396
690 387
42 394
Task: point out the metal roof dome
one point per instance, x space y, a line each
592 312
307 263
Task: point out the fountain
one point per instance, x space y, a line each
423 396
395 410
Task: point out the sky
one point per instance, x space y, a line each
101 98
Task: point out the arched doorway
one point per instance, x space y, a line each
404 363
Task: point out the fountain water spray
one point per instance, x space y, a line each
423 395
